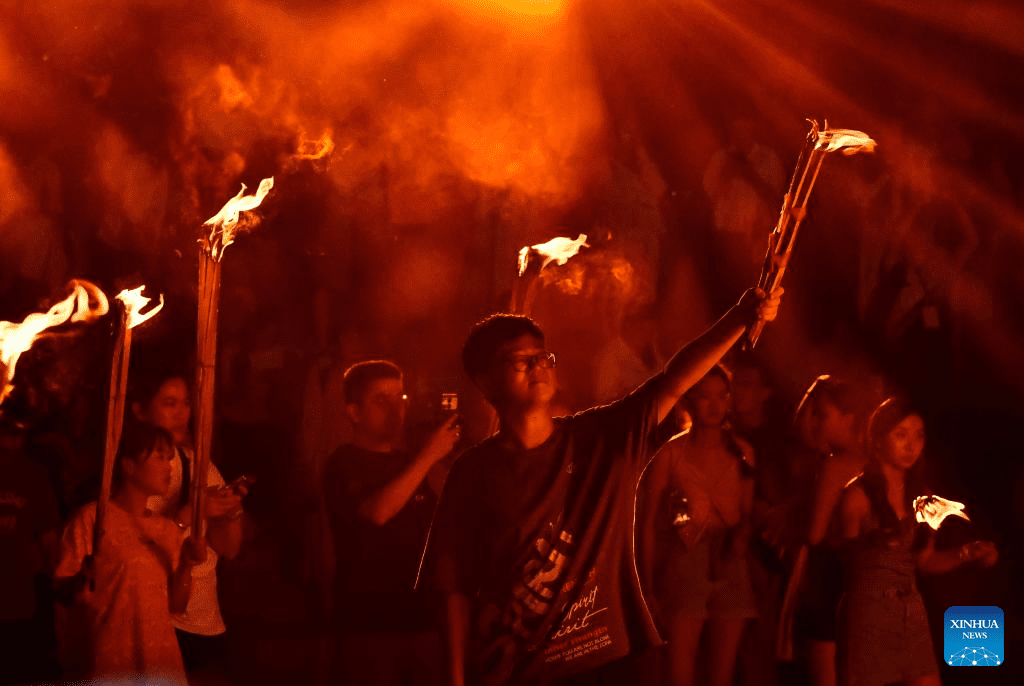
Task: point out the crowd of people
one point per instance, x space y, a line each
689 528
685 533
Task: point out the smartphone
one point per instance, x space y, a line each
450 402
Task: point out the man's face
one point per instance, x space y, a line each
522 376
381 414
749 393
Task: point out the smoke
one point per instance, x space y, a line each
203 91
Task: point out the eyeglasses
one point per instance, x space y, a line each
389 400
524 363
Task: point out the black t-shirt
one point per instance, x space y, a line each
541 540
377 565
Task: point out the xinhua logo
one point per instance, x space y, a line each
973 636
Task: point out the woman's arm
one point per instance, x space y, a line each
854 508
932 561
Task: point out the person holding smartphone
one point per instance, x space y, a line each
380 504
164 400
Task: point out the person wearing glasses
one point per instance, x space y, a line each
532 543
379 506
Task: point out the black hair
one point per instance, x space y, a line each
884 419
747 360
146 384
488 336
729 437
138 439
356 382
845 395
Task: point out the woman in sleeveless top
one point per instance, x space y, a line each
836 411
884 636
701 495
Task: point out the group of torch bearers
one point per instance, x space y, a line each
533 611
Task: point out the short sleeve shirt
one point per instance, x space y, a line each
377 565
541 540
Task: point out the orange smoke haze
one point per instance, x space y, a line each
498 94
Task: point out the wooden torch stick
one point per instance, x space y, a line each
115 421
794 211
209 302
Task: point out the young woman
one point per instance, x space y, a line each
164 401
702 480
884 636
118 624
831 415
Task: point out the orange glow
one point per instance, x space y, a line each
86 303
933 510
531 8
559 250
225 223
314 150
134 301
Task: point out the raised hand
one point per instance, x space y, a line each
444 439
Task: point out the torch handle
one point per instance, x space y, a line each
115 421
794 209
209 301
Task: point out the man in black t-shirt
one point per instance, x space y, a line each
533 540
380 508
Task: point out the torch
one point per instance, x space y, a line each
132 302
85 304
559 250
819 143
933 510
223 229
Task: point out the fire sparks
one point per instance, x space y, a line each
86 303
134 301
559 250
225 222
933 510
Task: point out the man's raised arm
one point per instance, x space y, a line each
695 359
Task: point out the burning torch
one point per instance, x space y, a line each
223 227
85 304
933 510
532 261
819 143
132 303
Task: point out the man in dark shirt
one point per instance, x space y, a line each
380 508
533 540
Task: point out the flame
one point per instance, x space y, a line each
849 141
225 221
134 301
559 250
314 150
86 303
933 510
